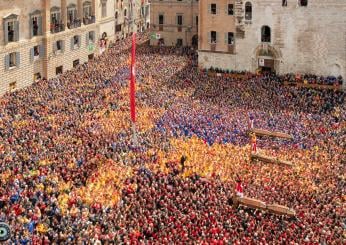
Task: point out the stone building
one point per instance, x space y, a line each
42 38
285 36
174 22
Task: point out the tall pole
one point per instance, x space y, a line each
133 88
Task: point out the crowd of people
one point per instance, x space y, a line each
71 171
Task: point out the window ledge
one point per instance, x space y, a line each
12 68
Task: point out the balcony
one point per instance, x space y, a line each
180 29
74 24
89 20
57 27
160 27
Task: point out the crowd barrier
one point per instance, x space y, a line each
314 86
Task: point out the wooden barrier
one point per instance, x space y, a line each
267 159
313 86
262 132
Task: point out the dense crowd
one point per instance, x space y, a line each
71 172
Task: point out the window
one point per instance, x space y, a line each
179 20
248 11
55 20
265 34
13 86
284 3
75 63
75 42
303 3
90 56
36 52
161 19
197 20
116 15
104 8
58 70
87 9
71 13
212 8
91 37
35 23
213 37
179 42
13 60
230 38
11 28
125 12
58 47
230 9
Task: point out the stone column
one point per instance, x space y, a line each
94 8
46 35
64 13
80 10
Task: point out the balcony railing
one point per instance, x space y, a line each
180 29
89 20
74 24
57 27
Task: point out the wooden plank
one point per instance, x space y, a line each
271 208
262 132
252 203
281 210
267 159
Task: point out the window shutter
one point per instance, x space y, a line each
63 46
17 59
55 46
5 32
87 39
79 41
209 8
31 54
31 27
182 20
39 20
72 44
7 62
42 51
16 30
217 37
176 19
226 37
209 37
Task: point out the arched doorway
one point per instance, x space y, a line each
267 58
194 41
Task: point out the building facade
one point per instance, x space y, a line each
286 36
43 38
174 22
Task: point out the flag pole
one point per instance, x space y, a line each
133 89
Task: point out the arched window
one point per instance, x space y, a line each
116 15
303 3
265 34
125 12
248 11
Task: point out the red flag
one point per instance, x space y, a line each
133 80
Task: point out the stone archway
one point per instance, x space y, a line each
267 58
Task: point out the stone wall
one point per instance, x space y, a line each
308 39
